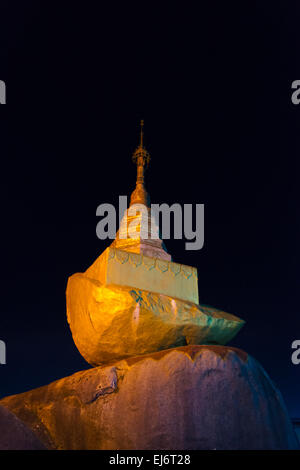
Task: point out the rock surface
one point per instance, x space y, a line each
15 435
109 323
192 397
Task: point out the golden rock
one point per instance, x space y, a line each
133 300
109 323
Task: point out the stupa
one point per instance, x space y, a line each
134 299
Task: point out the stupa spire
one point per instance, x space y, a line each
142 242
141 158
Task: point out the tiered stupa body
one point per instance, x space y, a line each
134 299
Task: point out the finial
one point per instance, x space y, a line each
141 157
142 133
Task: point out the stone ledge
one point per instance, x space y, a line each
192 397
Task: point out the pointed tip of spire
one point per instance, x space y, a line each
142 133
141 156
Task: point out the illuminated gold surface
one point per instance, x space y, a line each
123 268
141 241
110 323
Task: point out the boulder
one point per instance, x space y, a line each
191 397
112 322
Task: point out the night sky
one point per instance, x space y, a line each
213 86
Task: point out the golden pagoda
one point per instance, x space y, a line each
134 299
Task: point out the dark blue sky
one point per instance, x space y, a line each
213 86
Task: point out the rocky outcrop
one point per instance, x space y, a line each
191 397
15 435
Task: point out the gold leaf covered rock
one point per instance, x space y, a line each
114 322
